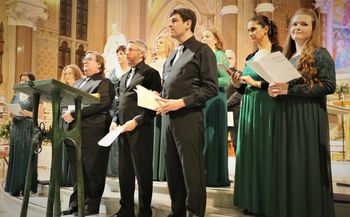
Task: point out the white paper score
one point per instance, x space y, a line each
14 108
147 99
274 68
111 136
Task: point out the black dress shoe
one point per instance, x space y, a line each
70 211
87 213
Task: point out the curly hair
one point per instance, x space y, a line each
306 64
76 70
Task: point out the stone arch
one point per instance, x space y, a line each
160 18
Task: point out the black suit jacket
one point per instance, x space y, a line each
193 77
128 108
95 118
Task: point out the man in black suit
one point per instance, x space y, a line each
95 121
190 79
135 144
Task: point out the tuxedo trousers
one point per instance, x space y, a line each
184 139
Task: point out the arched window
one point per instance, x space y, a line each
73 32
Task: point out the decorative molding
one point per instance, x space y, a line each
229 9
25 12
264 7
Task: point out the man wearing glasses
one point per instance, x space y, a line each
95 120
135 144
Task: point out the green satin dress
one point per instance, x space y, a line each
216 139
253 175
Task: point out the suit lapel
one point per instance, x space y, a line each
173 70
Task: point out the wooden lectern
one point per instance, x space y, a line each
60 95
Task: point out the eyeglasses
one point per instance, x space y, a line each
87 59
132 49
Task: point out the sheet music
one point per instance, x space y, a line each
274 68
230 118
226 69
111 136
14 108
146 98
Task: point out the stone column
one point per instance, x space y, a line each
229 13
24 14
325 9
265 7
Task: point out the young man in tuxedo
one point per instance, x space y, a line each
190 79
136 143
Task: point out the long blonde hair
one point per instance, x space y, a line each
306 64
169 44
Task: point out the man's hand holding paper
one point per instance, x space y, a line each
167 105
147 98
111 136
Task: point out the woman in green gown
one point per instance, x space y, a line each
215 113
253 177
163 47
20 143
302 175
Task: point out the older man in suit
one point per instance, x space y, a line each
135 145
95 121
190 79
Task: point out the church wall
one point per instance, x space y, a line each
5 86
97 29
46 44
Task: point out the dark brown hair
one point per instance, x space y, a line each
29 74
264 21
186 14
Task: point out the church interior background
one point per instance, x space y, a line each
45 35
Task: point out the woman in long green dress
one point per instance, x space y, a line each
215 113
253 181
20 143
302 174
163 48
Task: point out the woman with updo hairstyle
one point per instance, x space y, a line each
215 113
20 143
302 177
253 175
